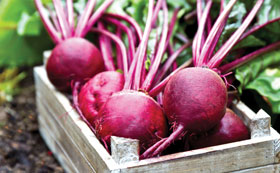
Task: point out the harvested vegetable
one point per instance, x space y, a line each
74 58
230 129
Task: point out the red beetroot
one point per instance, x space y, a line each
230 129
97 90
73 59
131 114
190 106
189 103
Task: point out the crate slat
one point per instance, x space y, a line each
70 149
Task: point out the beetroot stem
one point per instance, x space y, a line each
54 20
62 19
170 61
47 23
118 50
171 27
143 46
201 32
129 20
70 14
238 62
257 28
106 50
152 149
157 89
224 50
127 30
98 13
119 43
156 11
174 136
85 17
154 67
216 31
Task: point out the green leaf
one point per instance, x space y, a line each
256 75
250 41
29 25
268 85
269 10
21 38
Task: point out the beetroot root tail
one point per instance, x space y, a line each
165 143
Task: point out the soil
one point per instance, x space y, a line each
21 147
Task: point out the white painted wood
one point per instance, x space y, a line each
124 150
263 169
260 151
46 56
259 124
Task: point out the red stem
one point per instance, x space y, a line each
127 30
173 137
152 149
83 21
170 61
237 63
106 50
98 13
201 32
257 28
160 51
119 43
143 46
118 50
129 20
62 19
224 50
157 89
47 23
215 33
54 20
70 14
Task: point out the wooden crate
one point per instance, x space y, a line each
78 149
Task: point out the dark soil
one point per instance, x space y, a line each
21 147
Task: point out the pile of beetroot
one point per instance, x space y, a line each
116 94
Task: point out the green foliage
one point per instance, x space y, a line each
260 76
21 38
9 80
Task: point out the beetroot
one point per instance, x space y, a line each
131 114
195 99
230 129
97 90
187 102
73 59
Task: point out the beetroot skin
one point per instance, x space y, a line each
73 59
196 98
131 114
96 92
230 129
